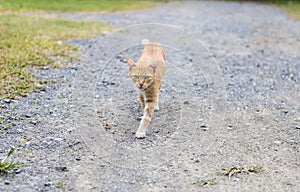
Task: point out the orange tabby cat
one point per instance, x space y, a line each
147 74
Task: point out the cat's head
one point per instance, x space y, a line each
142 74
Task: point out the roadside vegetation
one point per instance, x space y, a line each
34 41
72 5
292 8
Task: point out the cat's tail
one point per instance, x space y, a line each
145 41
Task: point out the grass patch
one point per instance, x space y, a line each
207 182
292 8
5 165
231 171
5 127
59 185
72 5
35 41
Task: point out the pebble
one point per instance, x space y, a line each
6 182
7 100
186 102
28 115
18 171
61 168
33 122
277 142
48 184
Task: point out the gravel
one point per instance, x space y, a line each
230 98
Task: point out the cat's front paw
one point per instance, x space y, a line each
140 135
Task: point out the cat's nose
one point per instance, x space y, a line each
141 85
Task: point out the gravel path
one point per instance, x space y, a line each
230 98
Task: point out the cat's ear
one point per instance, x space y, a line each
130 63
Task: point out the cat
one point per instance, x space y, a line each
147 74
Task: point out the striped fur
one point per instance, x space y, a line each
147 74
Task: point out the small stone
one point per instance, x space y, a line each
18 171
45 68
107 126
6 182
78 159
119 56
7 100
28 115
236 179
33 122
277 142
48 184
104 33
61 169
204 127
297 127
186 102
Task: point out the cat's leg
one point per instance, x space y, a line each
156 104
142 100
148 113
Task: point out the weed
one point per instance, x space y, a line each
236 170
59 184
5 165
5 127
206 182
36 101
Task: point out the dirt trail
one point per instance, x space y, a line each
230 98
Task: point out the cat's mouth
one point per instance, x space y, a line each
141 87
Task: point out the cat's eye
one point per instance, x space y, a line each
147 77
135 76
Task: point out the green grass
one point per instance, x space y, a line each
231 171
35 41
72 5
5 165
292 7
59 185
206 182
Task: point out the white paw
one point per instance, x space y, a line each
156 108
140 135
